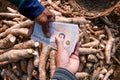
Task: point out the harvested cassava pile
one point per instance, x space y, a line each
25 59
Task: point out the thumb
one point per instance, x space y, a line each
45 29
76 51
59 43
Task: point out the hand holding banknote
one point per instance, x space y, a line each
63 60
69 33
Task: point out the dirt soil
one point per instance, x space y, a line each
97 5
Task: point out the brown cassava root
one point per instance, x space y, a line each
43 57
26 45
77 20
84 51
81 75
39 62
14 55
52 62
15 32
109 45
7 42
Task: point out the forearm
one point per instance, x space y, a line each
29 8
63 74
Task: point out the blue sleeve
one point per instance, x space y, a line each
29 8
63 74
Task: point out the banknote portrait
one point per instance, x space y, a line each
61 35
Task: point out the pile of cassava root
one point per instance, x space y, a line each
25 59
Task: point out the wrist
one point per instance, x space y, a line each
63 74
66 68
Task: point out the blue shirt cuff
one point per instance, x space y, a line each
63 74
31 9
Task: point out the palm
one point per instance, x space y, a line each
74 63
63 60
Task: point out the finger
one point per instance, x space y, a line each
30 31
76 51
46 30
50 15
52 18
59 43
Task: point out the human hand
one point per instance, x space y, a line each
43 19
63 60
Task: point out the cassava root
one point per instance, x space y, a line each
37 61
